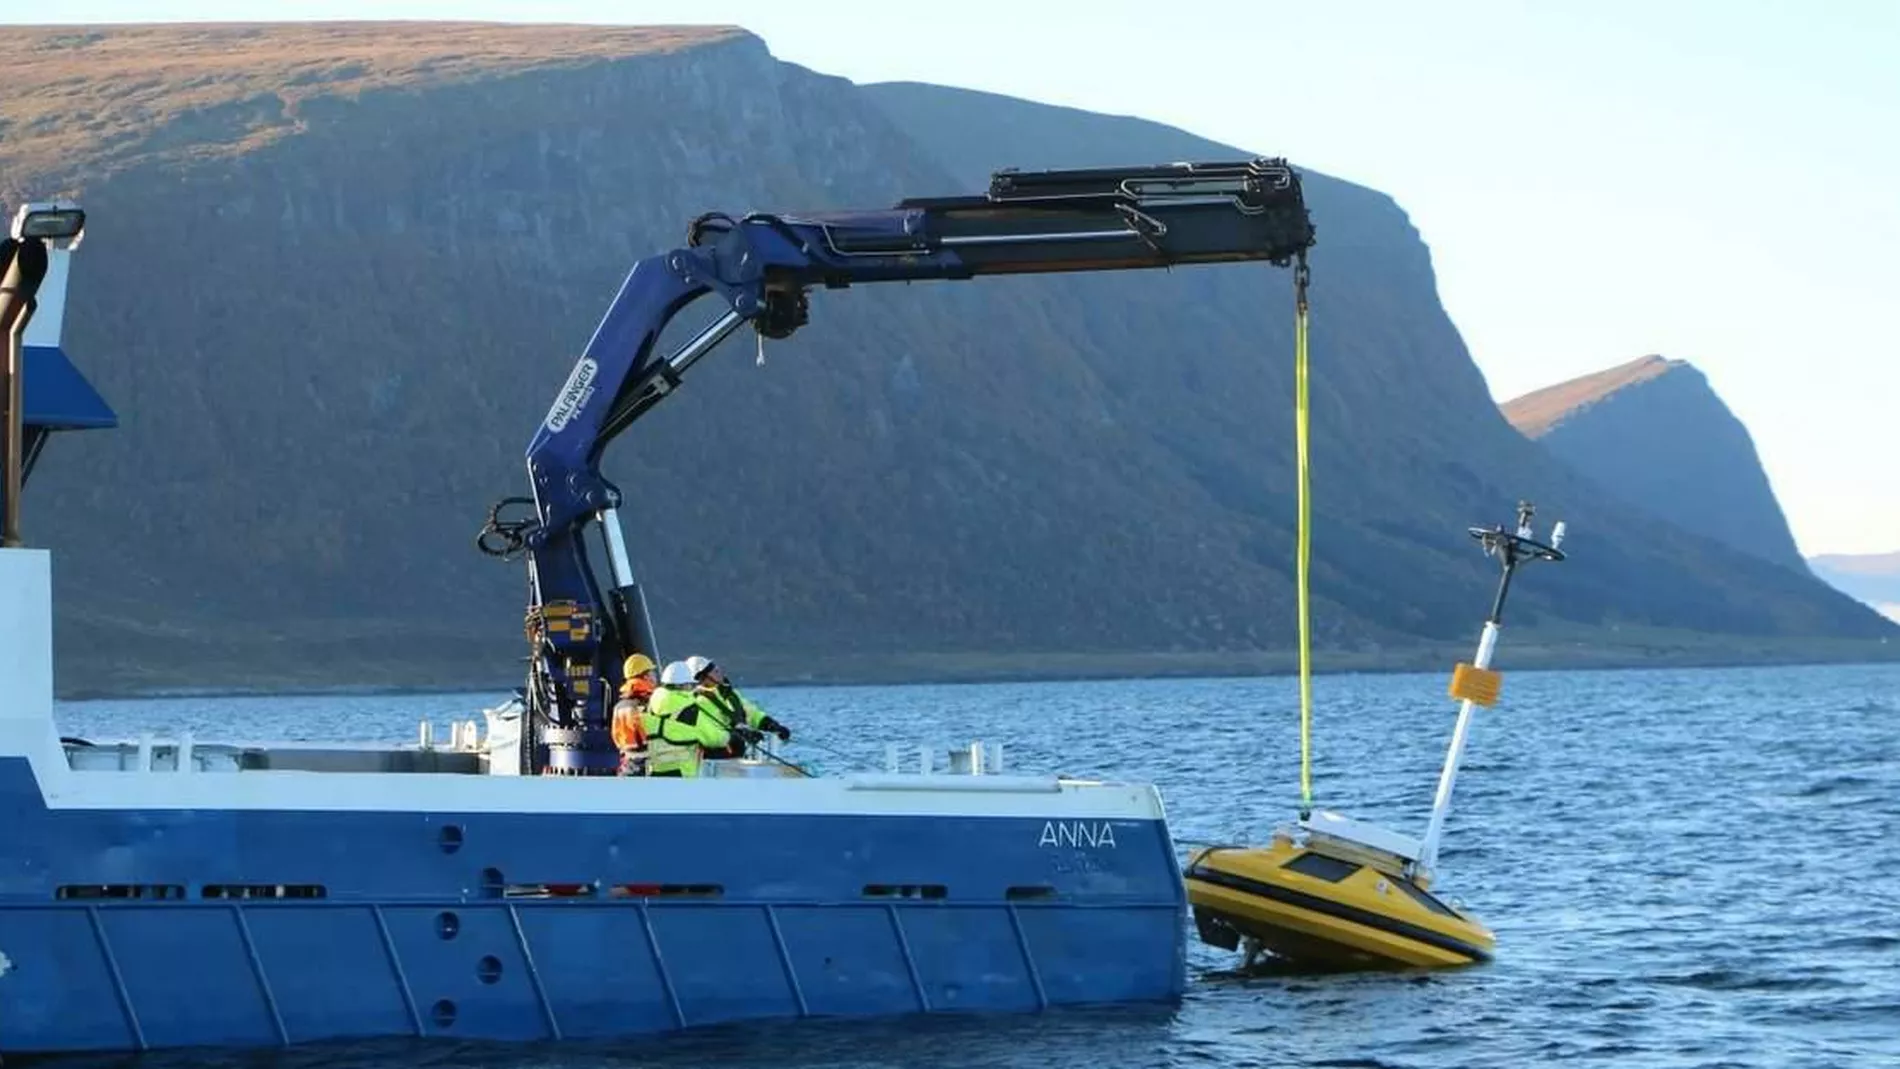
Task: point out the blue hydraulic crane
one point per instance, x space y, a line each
762 266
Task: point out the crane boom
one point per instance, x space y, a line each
761 266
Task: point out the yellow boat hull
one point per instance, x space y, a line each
1316 910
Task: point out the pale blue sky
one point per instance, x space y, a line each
1713 181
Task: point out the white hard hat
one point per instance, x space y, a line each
676 674
697 665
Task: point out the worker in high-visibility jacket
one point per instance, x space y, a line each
629 728
735 709
682 731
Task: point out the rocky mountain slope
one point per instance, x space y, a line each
1654 432
336 273
1873 578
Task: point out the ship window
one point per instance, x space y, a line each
1321 867
488 970
1023 894
121 890
262 890
1424 898
905 890
666 890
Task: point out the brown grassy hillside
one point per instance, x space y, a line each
101 99
1535 413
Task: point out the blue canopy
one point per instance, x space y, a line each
57 397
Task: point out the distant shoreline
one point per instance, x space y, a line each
769 670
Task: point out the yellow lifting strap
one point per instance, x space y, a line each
1305 536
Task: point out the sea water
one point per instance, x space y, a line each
1683 867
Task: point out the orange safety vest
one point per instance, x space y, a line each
629 728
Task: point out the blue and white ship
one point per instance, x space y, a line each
510 886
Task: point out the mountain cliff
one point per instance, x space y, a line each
336 273
1873 578
1653 431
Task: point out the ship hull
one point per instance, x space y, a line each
131 928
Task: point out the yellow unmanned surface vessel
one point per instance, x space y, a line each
1329 892
1320 901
